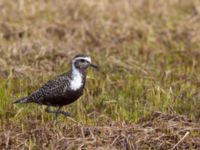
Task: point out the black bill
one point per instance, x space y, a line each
94 66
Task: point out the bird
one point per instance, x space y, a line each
63 89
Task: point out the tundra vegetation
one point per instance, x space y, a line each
146 94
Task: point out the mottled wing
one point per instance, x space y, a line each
52 88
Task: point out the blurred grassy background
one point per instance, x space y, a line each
149 53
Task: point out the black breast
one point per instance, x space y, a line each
63 99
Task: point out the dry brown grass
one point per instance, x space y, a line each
159 131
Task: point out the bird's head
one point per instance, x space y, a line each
82 62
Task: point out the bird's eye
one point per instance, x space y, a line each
82 60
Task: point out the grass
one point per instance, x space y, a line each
148 52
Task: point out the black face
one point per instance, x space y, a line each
82 64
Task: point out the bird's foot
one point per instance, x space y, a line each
57 113
66 114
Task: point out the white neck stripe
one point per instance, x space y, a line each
76 79
85 58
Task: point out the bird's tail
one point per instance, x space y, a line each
22 100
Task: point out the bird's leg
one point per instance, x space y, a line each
48 110
57 112
62 112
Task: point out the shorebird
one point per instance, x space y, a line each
63 89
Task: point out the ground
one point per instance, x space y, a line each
145 94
